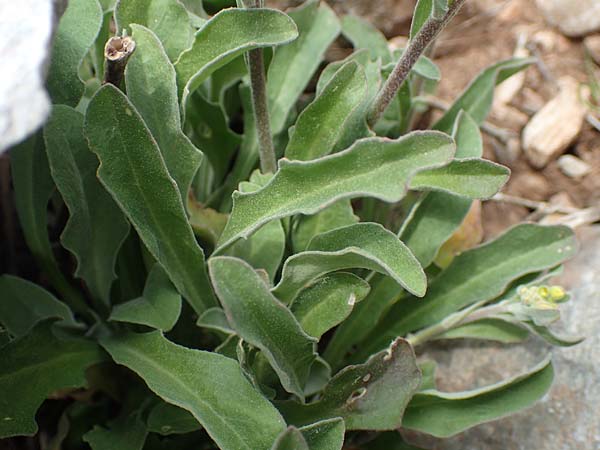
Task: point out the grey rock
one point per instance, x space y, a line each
572 17
568 417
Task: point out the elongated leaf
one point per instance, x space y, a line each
226 36
445 414
477 97
370 396
328 302
471 178
24 304
372 167
554 338
325 435
133 171
96 227
491 329
293 65
212 387
159 307
247 301
290 439
124 434
422 12
35 366
216 320
320 125
364 245
337 215
477 275
150 81
168 19
166 419
76 32
364 35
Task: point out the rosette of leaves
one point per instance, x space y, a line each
212 305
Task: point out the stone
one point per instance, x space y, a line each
556 126
567 417
27 27
573 167
592 45
573 18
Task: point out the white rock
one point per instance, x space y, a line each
26 29
572 17
573 167
554 127
592 45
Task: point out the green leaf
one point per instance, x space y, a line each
226 36
477 275
422 12
133 171
328 301
362 245
211 386
320 125
364 35
247 301
491 329
293 65
96 227
76 33
159 306
124 434
369 396
168 19
446 414
424 67
150 81
340 214
471 178
167 419
24 304
552 337
35 366
290 439
391 440
325 435
216 320
374 167
477 97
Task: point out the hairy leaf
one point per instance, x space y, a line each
247 302
167 419
446 414
374 167
290 439
211 386
325 435
133 171
364 35
491 329
124 434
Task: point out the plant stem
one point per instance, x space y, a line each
417 46
258 86
116 53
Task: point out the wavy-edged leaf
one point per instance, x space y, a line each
76 33
471 178
369 396
158 307
373 167
125 434
35 366
96 227
247 302
167 419
168 19
477 97
328 301
150 81
320 124
325 435
226 36
490 329
293 65
24 304
362 245
363 35
340 214
290 439
446 414
480 274
133 171
211 386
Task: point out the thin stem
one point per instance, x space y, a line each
258 85
116 54
416 47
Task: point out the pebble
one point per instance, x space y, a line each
574 18
573 167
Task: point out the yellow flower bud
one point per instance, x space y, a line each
557 293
